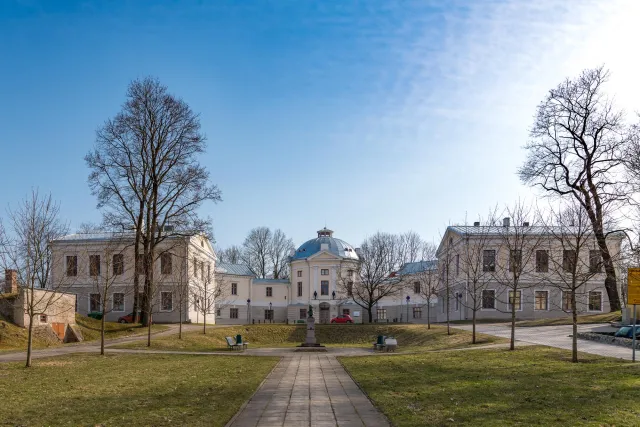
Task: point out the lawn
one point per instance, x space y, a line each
13 337
614 316
129 389
410 337
528 386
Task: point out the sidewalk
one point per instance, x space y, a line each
311 390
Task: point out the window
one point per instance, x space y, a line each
303 313
269 291
566 300
568 260
595 301
416 287
219 312
457 298
94 302
381 314
118 301
324 287
141 263
346 312
43 318
489 260
489 299
195 268
299 273
541 300
233 313
234 289
350 274
165 263
299 289
457 265
595 262
324 272
417 312
72 266
542 261
118 264
515 260
515 299
202 270
350 289
166 301
268 315
94 265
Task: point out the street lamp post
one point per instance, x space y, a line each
248 310
408 299
270 312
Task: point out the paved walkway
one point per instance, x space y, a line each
309 390
556 336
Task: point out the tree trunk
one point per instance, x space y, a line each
428 314
512 344
102 331
448 324
610 282
370 311
180 327
29 342
204 322
574 338
473 331
150 322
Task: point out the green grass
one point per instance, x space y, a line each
14 338
528 386
410 337
614 316
130 389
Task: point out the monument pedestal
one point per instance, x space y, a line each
310 343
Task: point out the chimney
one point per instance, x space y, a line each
506 221
10 281
525 224
476 224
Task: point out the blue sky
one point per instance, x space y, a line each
366 116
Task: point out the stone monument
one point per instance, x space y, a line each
310 343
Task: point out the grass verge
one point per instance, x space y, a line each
614 316
528 386
13 337
130 389
410 337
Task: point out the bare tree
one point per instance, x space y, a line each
427 277
476 240
279 249
106 276
231 255
34 223
411 246
515 267
445 258
577 147
374 275
145 172
570 229
256 251
208 290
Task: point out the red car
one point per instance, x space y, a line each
343 318
128 318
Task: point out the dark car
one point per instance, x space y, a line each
343 318
627 332
95 315
128 318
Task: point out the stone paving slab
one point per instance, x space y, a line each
309 390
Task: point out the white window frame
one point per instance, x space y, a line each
163 310
94 254
268 290
236 288
589 302
124 303
237 311
495 300
89 301
299 273
324 271
322 284
77 264
509 299
300 290
535 302
458 297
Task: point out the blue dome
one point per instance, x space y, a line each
335 246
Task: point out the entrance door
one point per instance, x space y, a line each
324 312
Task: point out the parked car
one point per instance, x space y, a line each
627 332
128 318
343 318
95 315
